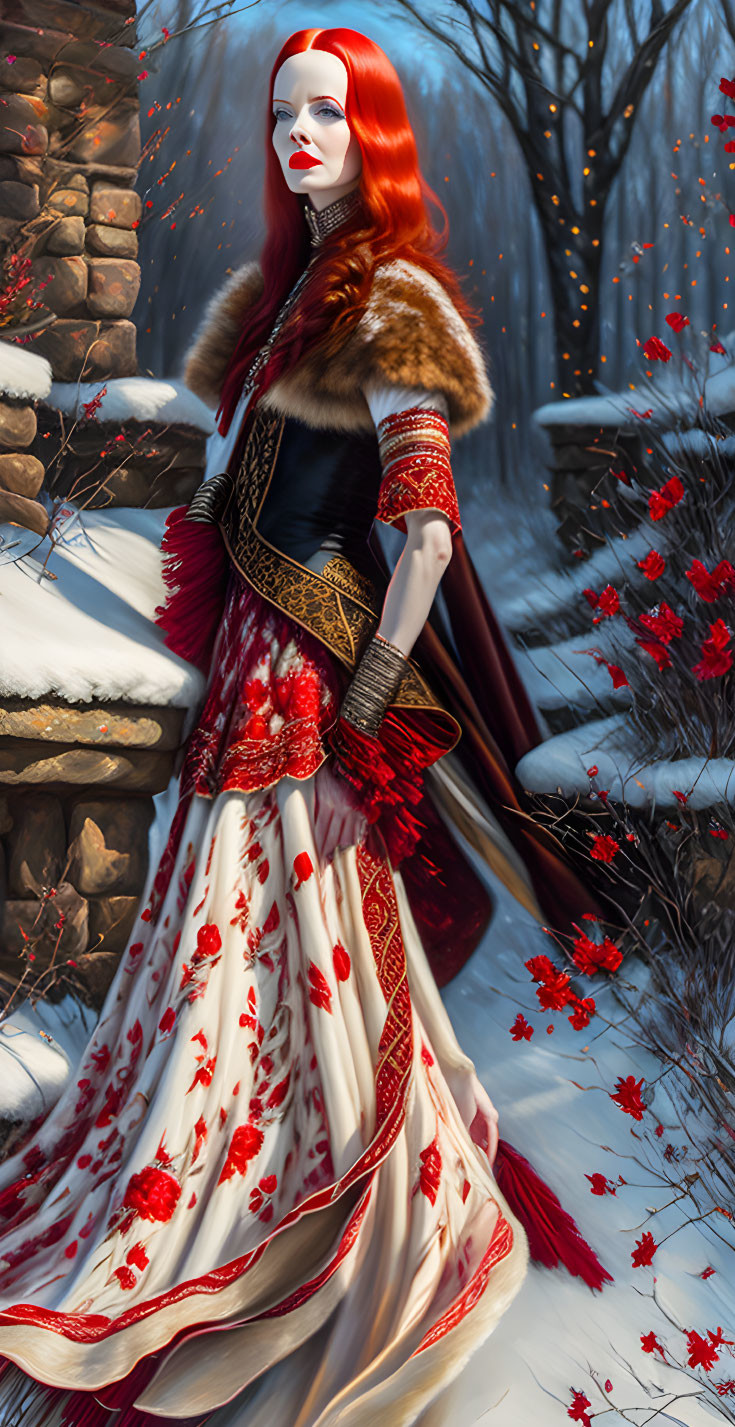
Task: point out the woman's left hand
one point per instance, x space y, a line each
476 1108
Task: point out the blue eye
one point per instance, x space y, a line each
329 109
281 114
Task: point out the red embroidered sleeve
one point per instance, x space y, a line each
417 474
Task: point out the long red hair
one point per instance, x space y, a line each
394 221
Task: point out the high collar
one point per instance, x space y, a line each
324 221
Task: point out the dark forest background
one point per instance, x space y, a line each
662 222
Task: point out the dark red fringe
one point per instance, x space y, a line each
553 1236
195 571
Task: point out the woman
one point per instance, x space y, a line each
268 1197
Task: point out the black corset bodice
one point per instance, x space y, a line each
323 493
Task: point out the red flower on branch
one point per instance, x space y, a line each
663 622
521 1030
553 994
650 1344
584 1009
628 1096
711 586
599 1184
591 956
664 499
701 1353
578 1410
656 350
677 321
604 847
645 1248
717 345
609 601
716 656
727 86
653 565
152 1194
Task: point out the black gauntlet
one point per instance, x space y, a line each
374 685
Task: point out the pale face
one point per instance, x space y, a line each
319 155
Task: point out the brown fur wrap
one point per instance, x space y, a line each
410 335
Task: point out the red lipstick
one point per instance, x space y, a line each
302 160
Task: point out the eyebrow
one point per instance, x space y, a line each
315 100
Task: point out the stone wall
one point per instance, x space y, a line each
76 780
582 458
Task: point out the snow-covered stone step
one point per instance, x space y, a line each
562 674
89 632
560 764
133 399
551 592
23 375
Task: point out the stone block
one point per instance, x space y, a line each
109 242
110 60
111 921
59 173
108 844
113 287
17 510
90 350
9 230
21 474
18 425
66 282
120 207
66 237
19 200
21 168
57 765
68 201
23 129
36 845
6 819
40 923
23 76
30 40
113 138
115 724
88 22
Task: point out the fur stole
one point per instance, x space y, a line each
410 335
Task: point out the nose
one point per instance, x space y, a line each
299 133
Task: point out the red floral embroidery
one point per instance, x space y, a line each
167 1021
417 473
341 962
125 1277
245 1144
137 1256
200 1133
152 1194
431 1171
303 868
204 1074
319 992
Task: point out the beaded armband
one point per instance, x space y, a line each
374 685
417 473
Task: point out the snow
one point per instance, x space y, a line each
609 744
671 398
89 633
134 399
528 599
39 1048
556 675
23 375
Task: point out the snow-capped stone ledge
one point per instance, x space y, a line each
669 400
609 744
39 1047
89 633
553 591
23 375
134 399
557 675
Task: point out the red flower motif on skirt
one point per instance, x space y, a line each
245 1144
319 992
341 962
303 868
431 1170
152 1194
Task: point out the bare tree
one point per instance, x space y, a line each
569 75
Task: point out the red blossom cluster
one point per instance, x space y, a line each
661 501
656 350
591 956
716 655
554 992
578 1410
703 1352
711 585
628 1096
645 1248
